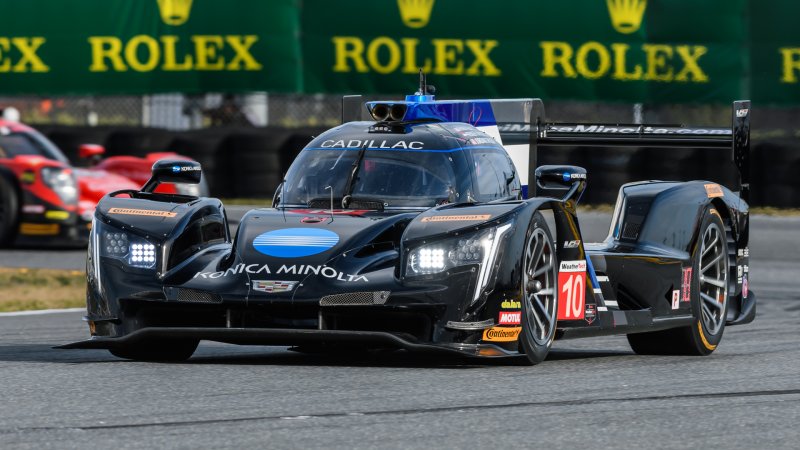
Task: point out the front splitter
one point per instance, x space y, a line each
284 337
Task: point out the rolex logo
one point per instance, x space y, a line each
415 13
175 12
626 15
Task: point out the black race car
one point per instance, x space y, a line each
416 231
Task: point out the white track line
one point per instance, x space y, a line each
41 311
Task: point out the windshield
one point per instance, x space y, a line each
395 178
23 143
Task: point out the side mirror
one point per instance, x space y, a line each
173 171
564 182
88 151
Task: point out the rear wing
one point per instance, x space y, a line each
736 139
519 125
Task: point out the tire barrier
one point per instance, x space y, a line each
251 162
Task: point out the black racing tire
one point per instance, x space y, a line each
538 292
158 351
704 335
9 212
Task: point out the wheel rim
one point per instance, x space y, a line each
538 288
713 279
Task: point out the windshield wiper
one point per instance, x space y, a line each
351 180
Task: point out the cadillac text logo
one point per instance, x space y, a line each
174 12
626 15
415 13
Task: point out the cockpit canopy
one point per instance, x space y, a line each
427 165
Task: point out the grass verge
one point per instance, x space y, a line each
31 289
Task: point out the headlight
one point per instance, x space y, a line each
134 250
477 248
62 182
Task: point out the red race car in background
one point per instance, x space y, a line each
44 199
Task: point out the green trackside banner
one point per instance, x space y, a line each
148 46
619 50
651 51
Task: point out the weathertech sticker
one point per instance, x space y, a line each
676 298
141 212
686 286
713 190
571 290
463 218
509 317
500 334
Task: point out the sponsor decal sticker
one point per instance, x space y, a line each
511 304
33 209
461 218
745 287
742 112
56 215
295 242
571 244
27 177
273 286
141 212
572 290
590 314
676 299
713 190
39 229
509 317
299 270
179 169
686 286
373 145
501 334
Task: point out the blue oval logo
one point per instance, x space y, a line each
295 242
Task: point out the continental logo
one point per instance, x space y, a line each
415 13
175 12
626 15
461 218
501 334
141 212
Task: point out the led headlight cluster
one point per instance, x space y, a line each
477 248
143 254
135 251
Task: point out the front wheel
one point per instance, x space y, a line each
539 303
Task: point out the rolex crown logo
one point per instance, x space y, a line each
626 15
415 13
175 12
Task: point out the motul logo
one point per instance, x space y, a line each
510 317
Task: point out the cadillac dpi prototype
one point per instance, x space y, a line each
418 230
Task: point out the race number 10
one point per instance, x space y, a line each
571 290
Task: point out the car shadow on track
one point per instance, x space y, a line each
229 355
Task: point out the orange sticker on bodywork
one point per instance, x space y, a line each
713 190
461 218
501 334
141 212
